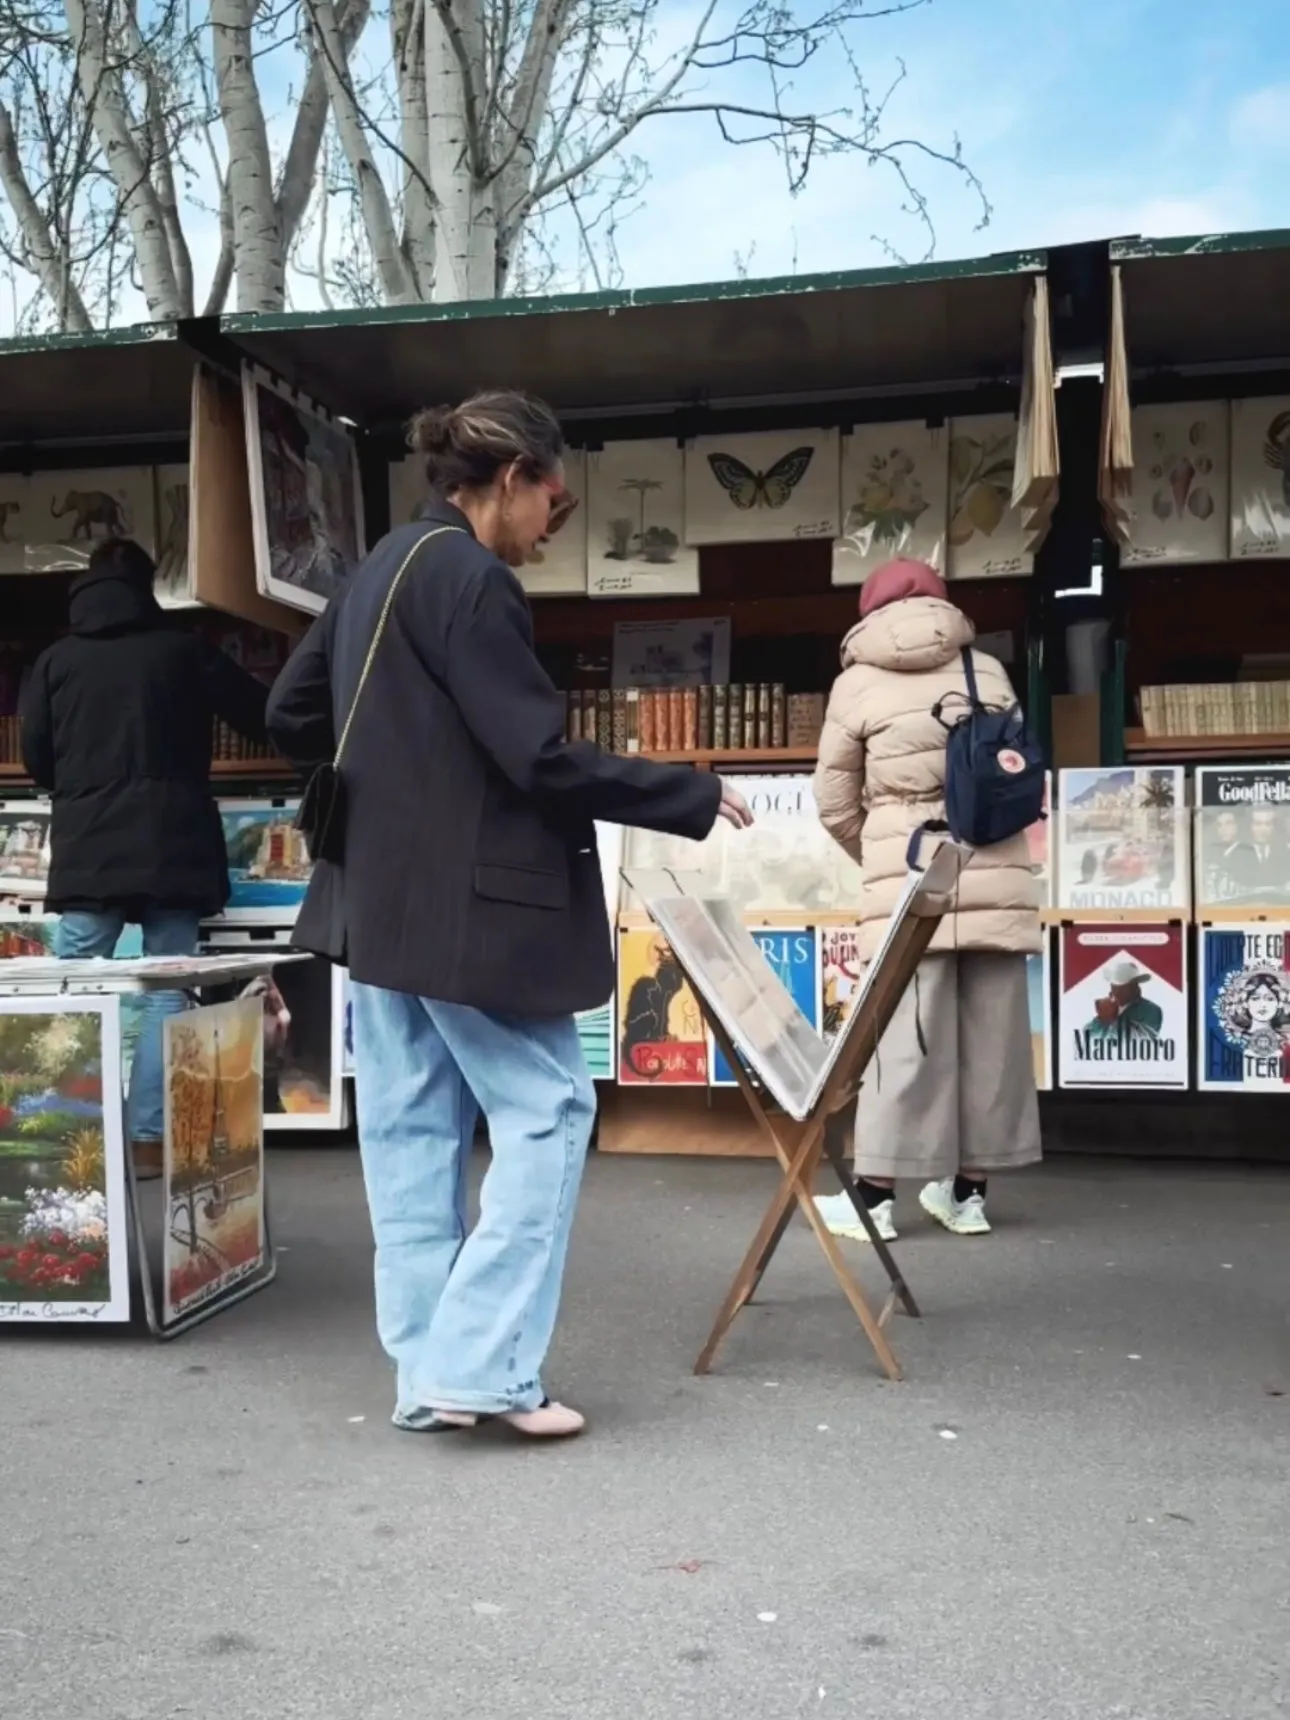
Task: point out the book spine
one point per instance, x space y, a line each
632 699
676 719
778 728
763 715
750 718
573 716
648 710
736 718
662 720
690 711
619 703
705 739
604 719
720 718
588 713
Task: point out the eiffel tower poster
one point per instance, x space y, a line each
214 1152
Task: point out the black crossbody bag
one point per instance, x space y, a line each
322 815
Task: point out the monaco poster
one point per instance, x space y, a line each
1122 840
1122 1016
1244 1009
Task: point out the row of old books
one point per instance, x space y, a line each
1217 708
229 746
744 717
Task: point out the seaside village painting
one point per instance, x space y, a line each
268 861
57 1161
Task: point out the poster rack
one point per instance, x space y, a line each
795 1083
49 979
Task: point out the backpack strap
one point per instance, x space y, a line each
969 672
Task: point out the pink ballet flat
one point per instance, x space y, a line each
548 1421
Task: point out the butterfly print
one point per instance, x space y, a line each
769 489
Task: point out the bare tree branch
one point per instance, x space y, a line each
47 259
378 218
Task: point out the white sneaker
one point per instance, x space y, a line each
841 1218
963 1217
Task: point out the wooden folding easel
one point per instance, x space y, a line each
800 1143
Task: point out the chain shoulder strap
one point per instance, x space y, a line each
384 616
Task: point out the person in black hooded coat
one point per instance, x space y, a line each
117 721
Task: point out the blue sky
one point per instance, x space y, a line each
1083 120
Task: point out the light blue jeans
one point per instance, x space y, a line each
467 1319
166 932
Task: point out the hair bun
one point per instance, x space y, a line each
434 430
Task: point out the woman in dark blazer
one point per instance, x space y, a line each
469 910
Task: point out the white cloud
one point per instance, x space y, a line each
1259 122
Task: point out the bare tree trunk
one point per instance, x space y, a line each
519 146
48 260
260 256
299 169
101 86
407 29
466 237
378 218
158 160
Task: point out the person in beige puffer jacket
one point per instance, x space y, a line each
950 1094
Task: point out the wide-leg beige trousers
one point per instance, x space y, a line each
953 1081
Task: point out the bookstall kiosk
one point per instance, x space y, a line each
744 455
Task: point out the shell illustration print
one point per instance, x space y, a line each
1180 483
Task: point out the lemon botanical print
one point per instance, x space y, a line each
986 537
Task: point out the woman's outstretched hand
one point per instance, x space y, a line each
734 808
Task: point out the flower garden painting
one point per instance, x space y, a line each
62 1169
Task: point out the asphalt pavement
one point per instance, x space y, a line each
1075 1506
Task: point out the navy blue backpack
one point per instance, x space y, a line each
994 772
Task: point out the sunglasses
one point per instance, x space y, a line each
562 505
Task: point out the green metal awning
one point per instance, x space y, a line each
121 383
878 330
1222 299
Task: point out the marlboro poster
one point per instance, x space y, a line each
1244 1010
1122 839
1243 836
1122 1015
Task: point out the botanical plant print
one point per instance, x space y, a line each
986 533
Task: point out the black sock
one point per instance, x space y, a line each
964 1186
871 1194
